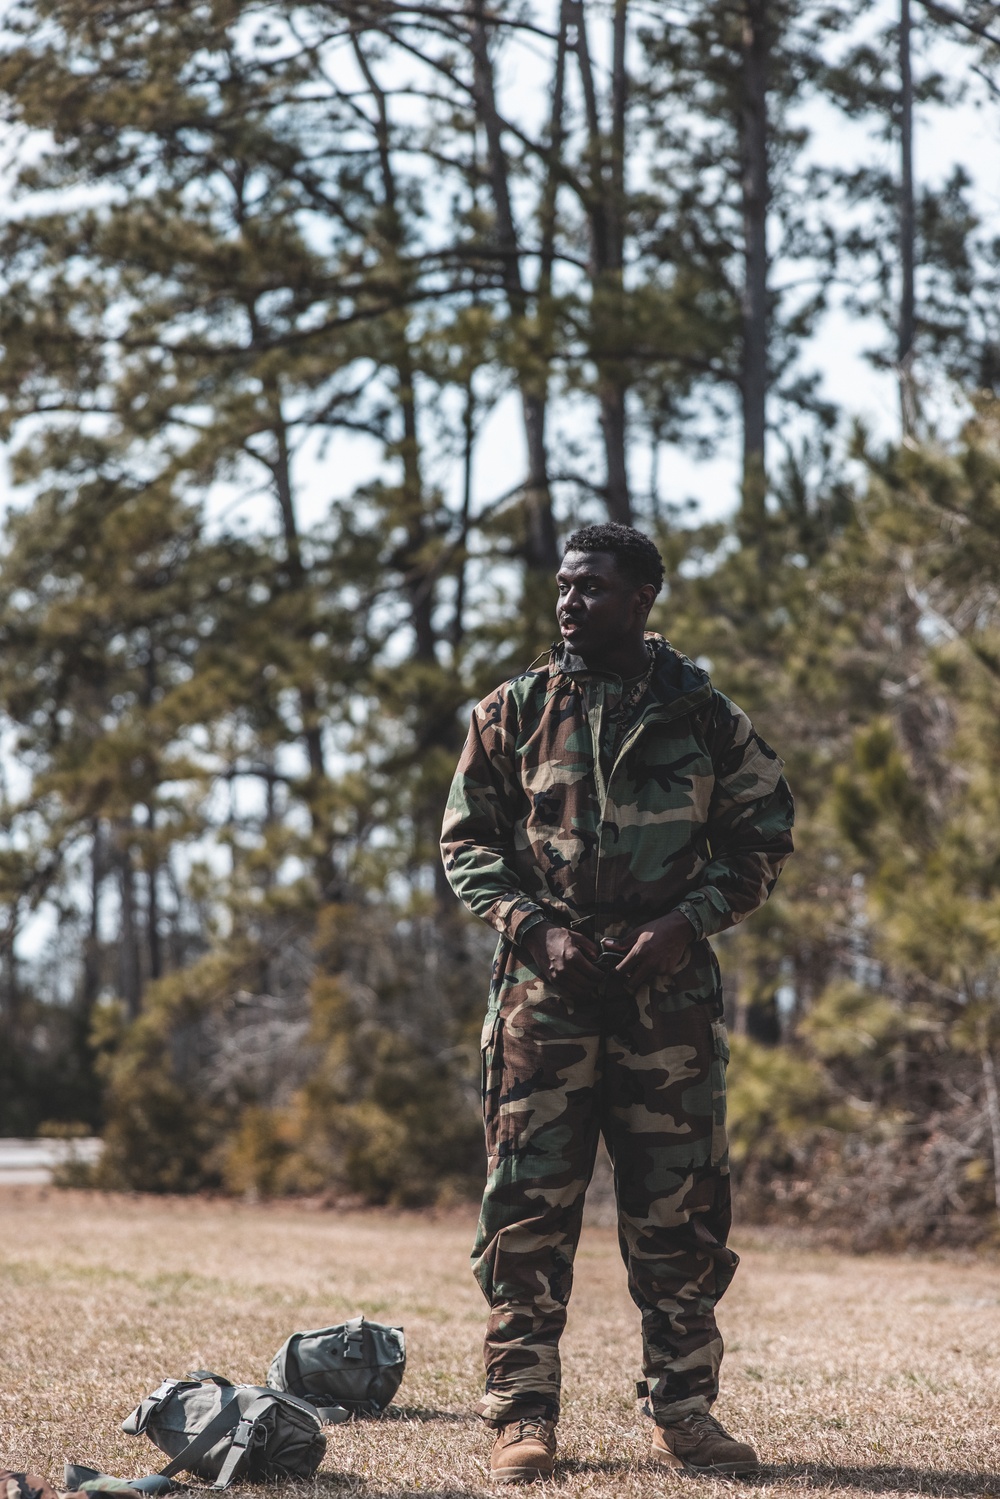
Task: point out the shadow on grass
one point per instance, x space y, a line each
424 1413
567 1467
347 1485
939 1483
881 1480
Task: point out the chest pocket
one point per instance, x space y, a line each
666 770
658 803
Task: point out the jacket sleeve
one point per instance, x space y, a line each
478 835
749 824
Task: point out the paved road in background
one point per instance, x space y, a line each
31 1162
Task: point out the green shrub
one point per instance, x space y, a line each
366 1084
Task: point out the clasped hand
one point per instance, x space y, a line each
571 962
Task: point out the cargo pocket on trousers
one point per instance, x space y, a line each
491 1058
720 1058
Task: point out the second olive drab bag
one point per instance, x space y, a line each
221 1431
352 1369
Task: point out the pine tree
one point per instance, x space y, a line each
732 199
919 258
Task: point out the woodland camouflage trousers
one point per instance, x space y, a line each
649 1073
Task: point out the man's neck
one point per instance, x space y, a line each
629 660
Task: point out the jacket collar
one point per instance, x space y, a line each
677 684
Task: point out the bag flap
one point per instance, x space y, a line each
136 1421
356 1344
286 1401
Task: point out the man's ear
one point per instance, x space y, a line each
647 598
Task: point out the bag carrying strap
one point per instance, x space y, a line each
332 1415
244 1428
136 1422
243 1440
219 1426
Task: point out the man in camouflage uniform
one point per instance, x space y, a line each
611 811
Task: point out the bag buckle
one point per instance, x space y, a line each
245 1434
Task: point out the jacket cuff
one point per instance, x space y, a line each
527 921
512 918
693 910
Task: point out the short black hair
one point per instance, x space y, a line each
636 556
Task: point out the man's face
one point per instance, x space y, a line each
598 609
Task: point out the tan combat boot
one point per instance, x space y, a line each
523 1451
700 1444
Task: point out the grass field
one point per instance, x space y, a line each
852 1376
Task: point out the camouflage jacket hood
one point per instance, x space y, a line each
693 813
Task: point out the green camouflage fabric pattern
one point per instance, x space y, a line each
648 1073
693 815
33 1486
25 1486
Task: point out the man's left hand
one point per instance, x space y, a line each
655 950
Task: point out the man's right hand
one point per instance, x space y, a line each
567 959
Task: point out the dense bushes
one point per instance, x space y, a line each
363 1083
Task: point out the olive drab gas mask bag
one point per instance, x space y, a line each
223 1431
352 1369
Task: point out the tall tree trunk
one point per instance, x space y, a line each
468 449
755 185
153 897
418 573
541 546
907 231
152 859
606 213
438 723
284 489
992 1106
418 567
90 980
326 870
130 967
11 998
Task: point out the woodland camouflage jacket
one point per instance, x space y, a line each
694 813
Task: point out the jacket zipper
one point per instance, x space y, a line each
651 716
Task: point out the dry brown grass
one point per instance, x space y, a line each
853 1376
